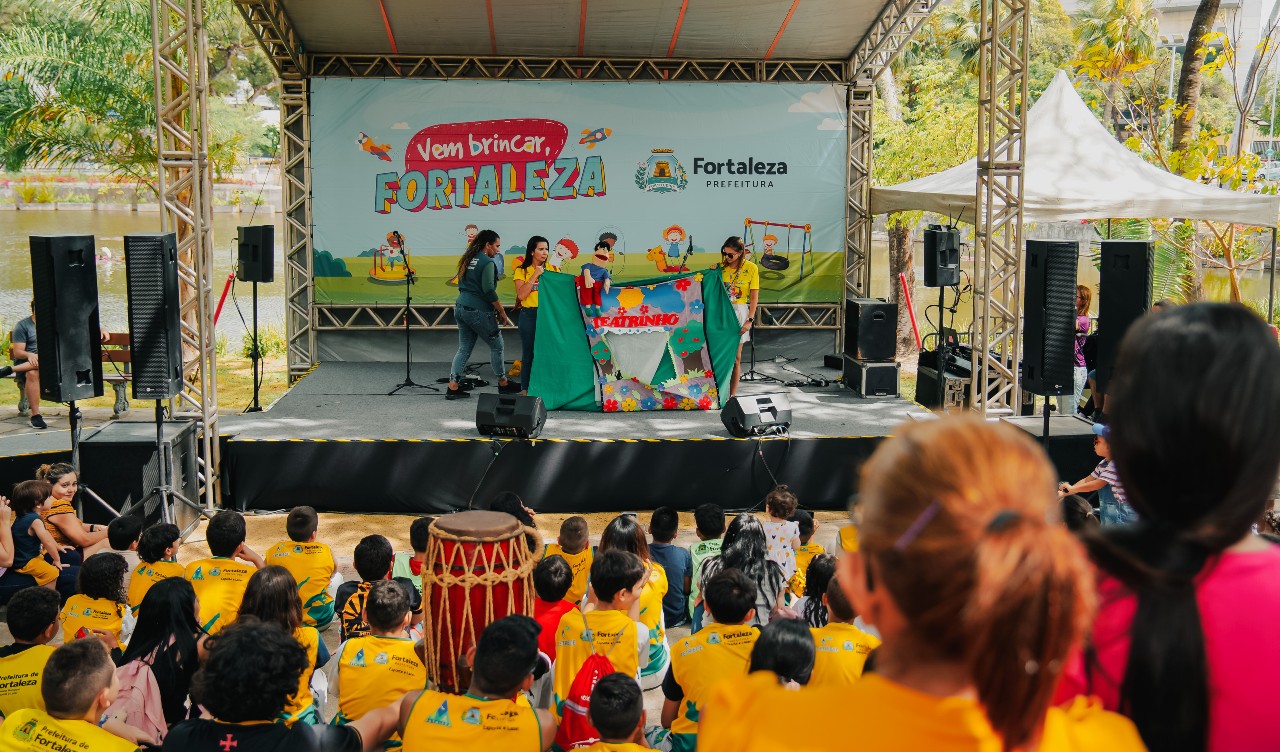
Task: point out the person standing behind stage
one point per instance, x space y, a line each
478 311
526 277
742 282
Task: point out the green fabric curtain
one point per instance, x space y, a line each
565 376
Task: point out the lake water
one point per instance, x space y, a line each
109 229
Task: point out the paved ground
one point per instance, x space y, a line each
12 424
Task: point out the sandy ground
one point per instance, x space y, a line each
343 531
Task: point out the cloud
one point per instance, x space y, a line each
828 99
831 124
401 126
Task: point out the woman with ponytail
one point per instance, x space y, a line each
1190 598
979 594
478 312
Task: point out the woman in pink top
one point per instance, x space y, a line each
1188 597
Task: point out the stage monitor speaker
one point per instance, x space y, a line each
119 462
1049 315
1124 294
941 256
257 253
870 328
871 379
155 336
510 415
757 415
64 282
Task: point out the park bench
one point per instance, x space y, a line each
117 371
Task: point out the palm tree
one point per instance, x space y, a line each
1124 32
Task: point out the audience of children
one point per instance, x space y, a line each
220 580
310 562
984 601
708 521
157 560
664 524
624 533
574 546
408 564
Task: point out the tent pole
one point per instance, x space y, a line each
1271 283
1108 229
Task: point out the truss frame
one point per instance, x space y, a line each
295 174
1004 30
504 68
179 49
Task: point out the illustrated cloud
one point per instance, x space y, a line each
401 126
829 99
831 124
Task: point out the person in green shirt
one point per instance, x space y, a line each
479 312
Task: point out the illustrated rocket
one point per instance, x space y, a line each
593 137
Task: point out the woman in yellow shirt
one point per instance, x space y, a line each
526 277
272 597
741 280
624 533
979 593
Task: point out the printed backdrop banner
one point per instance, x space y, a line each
405 171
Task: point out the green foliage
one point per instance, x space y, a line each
270 341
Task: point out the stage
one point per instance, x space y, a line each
339 442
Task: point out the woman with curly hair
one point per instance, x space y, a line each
252 670
744 549
102 605
272 596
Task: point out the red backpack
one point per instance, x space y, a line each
576 730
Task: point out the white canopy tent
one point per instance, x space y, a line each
1076 170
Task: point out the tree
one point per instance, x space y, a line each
1188 99
1120 35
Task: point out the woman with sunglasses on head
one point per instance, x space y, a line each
979 594
741 280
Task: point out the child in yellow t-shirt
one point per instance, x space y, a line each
311 564
33 621
574 544
379 668
157 560
617 712
220 580
101 606
841 648
807 550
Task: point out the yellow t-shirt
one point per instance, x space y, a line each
312 566
841 652
616 747
309 638
443 721
741 281
610 633
580 563
849 538
84 613
373 672
701 661
56 507
20 673
755 714
531 300
219 584
32 730
804 555
651 596
147 574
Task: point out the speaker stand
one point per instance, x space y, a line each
409 279
255 355
164 487
752 375
76 419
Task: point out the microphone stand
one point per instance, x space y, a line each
408 383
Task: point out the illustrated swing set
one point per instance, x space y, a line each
768 256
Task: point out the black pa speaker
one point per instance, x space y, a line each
1124 294
510 415
120 463
155 336
870 328
941 256
64 280
871 379
758 415
1049 316
257 244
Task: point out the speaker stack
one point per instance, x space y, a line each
758 415
151 268
941 256
64 281
870 344
1124 295
514 415
1049 317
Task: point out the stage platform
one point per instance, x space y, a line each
338 441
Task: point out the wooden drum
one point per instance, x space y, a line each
479 568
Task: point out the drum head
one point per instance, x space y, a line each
479 524
774 262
